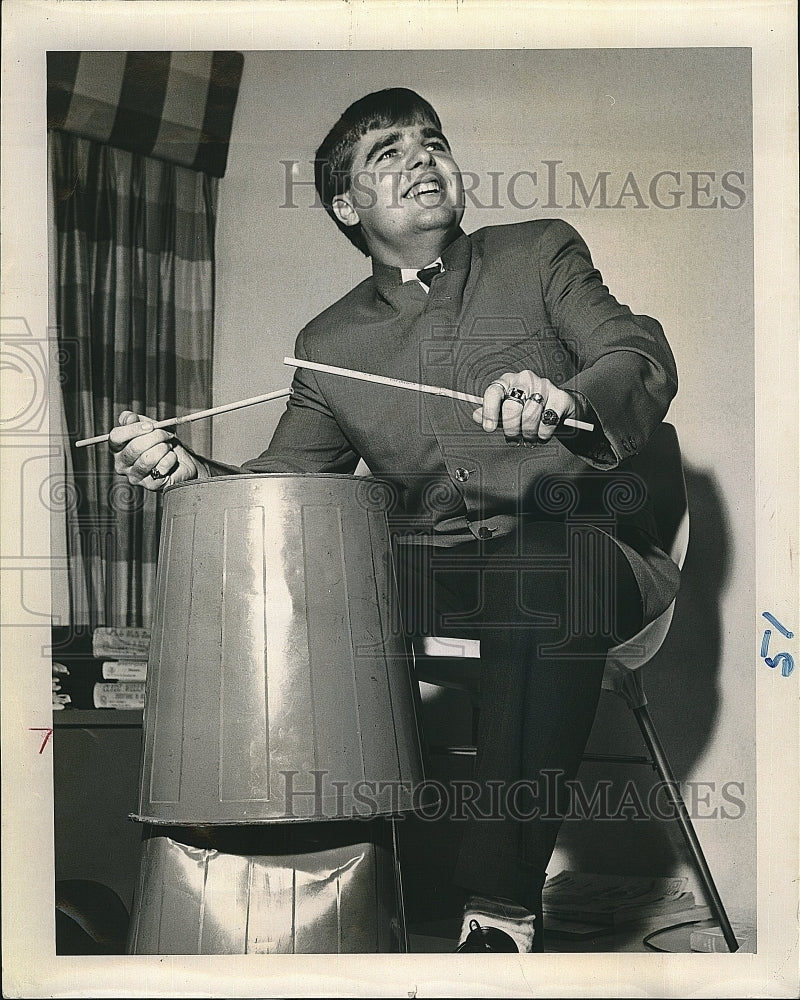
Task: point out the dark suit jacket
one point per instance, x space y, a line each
511 297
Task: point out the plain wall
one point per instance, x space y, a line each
615 110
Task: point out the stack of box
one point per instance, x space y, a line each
101 668
122 653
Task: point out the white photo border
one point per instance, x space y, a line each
31 27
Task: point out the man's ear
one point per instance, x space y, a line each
344 210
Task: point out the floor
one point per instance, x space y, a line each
666 933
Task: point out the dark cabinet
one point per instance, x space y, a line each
96 759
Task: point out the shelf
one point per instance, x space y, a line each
96 717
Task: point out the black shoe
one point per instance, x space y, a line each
487 939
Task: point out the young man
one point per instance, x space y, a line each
522 546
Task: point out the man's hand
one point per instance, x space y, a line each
150 458
530 407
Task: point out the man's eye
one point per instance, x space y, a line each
436 144
386 154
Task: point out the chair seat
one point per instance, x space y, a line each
455 664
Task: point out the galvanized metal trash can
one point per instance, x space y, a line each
278 684
306 889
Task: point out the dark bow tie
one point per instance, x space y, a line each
427 274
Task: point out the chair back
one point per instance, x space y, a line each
661 467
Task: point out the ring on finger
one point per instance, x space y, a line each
537 397
502 385
155 473
518 395
550 418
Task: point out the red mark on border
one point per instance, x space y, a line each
42 729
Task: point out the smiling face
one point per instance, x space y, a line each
405 192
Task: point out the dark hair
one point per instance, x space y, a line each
334 158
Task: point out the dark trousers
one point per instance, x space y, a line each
547 604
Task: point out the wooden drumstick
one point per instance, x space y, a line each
198 415
400 383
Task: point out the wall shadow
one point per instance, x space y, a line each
682 685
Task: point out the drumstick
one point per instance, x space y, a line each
198 415
400 383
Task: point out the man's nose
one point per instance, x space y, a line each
419 156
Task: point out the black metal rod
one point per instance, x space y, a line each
398 881
608 758
682 815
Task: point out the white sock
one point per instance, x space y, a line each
506 916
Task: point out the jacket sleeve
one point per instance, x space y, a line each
626 374
307 438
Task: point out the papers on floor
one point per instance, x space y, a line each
604 902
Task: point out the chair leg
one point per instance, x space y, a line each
402 930
474 723
682 815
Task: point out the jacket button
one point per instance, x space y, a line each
462 475
484 533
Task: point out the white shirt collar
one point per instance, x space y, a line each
410 273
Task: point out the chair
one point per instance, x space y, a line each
454 663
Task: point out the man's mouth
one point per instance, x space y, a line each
430 186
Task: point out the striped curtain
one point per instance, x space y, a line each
134 311
137 142
174 106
